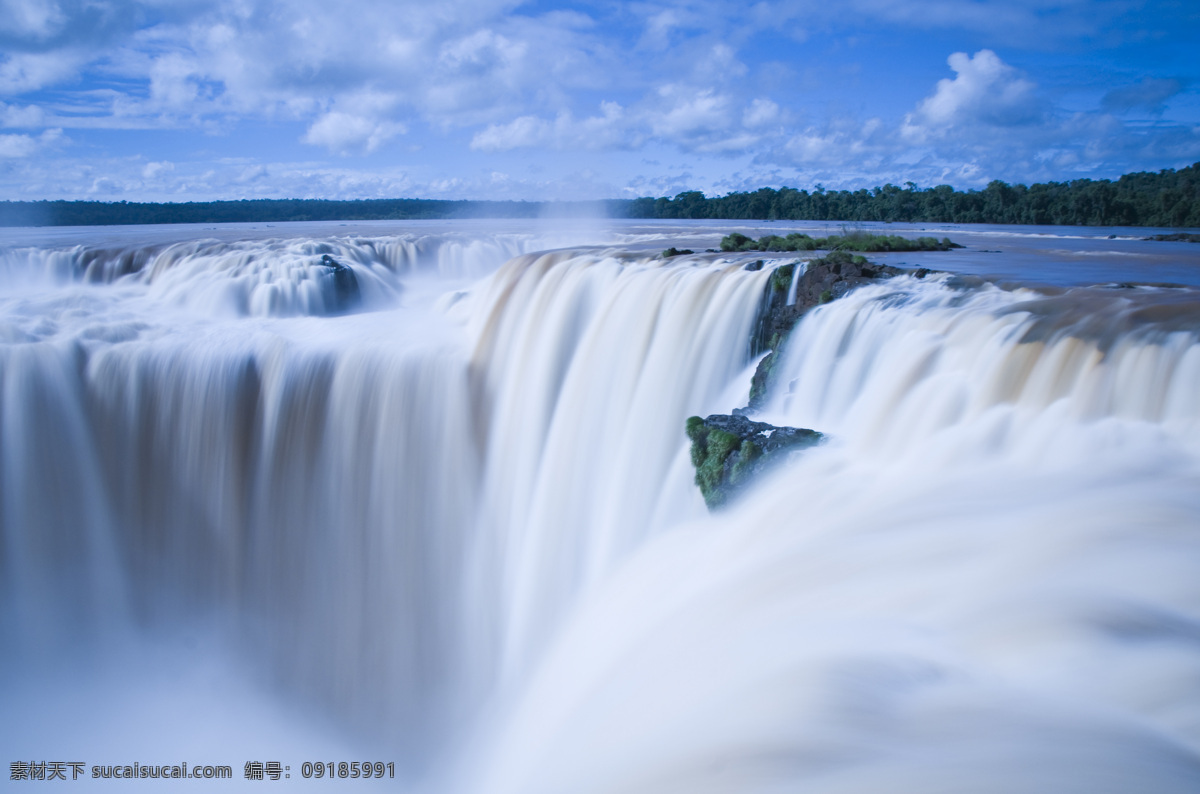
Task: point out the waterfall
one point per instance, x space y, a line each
591 366
984 581
376 509
459 514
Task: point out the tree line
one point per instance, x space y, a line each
1166 198
1169 198
103 213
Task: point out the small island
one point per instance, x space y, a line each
847 241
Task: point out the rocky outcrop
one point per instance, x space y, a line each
346 295
822 281
729 451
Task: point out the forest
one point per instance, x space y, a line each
1167 198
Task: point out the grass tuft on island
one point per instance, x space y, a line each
847 241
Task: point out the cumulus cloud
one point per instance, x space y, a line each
985 91
841 142
523 132
684 79
447 64
612 129
688 112
690 118
18 146
155 169
987 122
27 116
173 80
107 186
344 133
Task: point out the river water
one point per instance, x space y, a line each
441 514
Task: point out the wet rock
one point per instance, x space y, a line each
730 451
345 286
822 281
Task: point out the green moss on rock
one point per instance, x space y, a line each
847 241
729 452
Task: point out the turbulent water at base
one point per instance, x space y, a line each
451 514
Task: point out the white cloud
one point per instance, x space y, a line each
686 117
520 133
22 72
173 81
760 112
986 91
344 133
688 112
24 117
18 146
842 142
106 186
677 77
483 50
155 169
36 19
612 129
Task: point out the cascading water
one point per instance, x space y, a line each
985 581
466 524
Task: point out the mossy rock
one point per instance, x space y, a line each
817 282
731 451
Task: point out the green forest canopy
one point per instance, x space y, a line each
1169 198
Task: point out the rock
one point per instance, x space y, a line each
345 286
729 451
822 281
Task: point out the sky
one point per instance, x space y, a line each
196 100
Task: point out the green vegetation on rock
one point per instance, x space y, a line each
848 241
728 452
820 281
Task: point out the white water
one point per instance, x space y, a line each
464 526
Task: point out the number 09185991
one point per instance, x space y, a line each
347 769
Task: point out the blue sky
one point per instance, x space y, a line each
177 100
